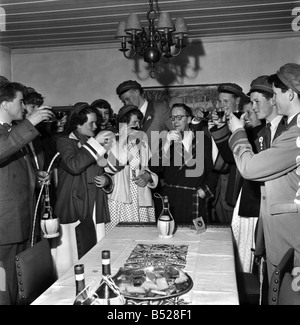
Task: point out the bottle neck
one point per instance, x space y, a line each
80 282
106 266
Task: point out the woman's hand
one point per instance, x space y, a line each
105 138
143 179
101 181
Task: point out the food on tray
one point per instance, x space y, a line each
152 282
182 277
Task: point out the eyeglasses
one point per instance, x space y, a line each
177 117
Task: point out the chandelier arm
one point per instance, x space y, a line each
176 54
130 56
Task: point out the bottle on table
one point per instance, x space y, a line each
107 292
165 222
82 297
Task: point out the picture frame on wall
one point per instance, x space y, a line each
194 96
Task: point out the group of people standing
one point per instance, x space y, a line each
236 170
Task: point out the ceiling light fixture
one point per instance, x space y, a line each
154 42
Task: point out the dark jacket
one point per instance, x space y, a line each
76 190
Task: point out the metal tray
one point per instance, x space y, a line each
182 288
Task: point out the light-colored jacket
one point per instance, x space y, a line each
279 168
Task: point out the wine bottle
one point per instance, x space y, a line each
81 291
49 223
48 209
165 222
107 291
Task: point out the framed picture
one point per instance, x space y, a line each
194 96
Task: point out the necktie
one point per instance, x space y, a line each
268 135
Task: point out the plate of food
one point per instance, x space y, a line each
153 282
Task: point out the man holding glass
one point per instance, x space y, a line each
18 181
277 167
230 98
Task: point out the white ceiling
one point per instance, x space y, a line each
55 23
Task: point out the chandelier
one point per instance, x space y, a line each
155 42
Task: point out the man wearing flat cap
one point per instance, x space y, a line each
277 167
230 98
156 114
252 203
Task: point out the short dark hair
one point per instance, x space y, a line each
274 80
78 115
33 98
102 103
8 91
185 107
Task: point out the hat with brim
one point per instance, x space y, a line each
127 85
125 110
261 83
289 74
78 107
231 88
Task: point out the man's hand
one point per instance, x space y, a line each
216 120
198 114
234 123
173 135
42 113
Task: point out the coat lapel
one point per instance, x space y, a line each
148 117
281 127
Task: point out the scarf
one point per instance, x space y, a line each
82 138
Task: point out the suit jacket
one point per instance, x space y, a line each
250 196
185 174
277 167
17 184
157 118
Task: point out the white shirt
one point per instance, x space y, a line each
274 125
144 107
187 139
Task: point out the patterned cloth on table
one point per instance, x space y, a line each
130 212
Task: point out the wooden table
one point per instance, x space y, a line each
210 263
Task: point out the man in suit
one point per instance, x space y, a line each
156 119
230 98
185 186
156 114
277 167
18 180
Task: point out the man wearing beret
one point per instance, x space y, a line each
156 114
230 96
277 167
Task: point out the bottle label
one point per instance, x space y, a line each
79 277
106 261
